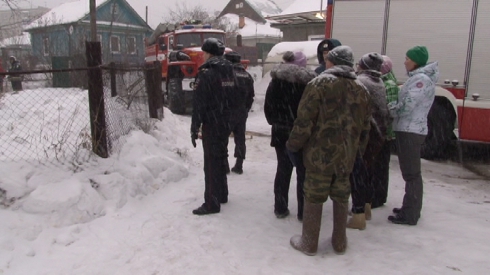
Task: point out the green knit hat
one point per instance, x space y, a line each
419 55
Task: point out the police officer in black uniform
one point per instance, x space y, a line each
215 85
243 100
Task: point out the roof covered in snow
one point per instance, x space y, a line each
301 11
75 11
253 28
24 39
256 10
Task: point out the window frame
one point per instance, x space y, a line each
118 44
135 50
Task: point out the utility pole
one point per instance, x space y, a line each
93 21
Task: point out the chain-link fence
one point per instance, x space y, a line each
126 102
53 125
42 123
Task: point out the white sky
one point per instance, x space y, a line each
213 5
138 220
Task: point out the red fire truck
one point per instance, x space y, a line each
457 34
178 48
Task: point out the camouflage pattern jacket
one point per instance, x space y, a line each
333 122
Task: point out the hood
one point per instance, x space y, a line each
389 76
342 71
431 70
292 73
319 50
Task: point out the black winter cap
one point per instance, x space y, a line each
371 61
233 57
213 46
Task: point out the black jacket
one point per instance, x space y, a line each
246 95
214 90
282 99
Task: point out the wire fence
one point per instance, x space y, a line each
52 125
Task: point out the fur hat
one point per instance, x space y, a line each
371 61
419 55
297 58
213 46
387 65
341 55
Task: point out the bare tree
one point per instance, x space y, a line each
11 4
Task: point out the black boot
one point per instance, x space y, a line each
238 169
203 210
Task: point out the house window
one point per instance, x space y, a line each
131 41
46 46
115 47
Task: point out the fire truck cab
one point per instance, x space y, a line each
456 33
178 49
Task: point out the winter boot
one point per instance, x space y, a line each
367 211
357 221
339 236
312 219
238 168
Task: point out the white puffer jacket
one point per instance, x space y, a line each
415 100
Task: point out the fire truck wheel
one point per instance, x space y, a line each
176 97
440 134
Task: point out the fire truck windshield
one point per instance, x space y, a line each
196 39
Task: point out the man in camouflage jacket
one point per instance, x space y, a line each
332 127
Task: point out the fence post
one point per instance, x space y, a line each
153 79
96 99
112 66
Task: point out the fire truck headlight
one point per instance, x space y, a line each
447 81
455 82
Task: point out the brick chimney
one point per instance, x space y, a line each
241 21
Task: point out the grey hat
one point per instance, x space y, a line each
371 61
341 55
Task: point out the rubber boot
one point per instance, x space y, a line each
238 168
339 236
357 221
312 219
367 211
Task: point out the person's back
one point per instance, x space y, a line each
214 85
332 128
370 76
240 103
283 96
343 108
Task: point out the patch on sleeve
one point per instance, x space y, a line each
420 85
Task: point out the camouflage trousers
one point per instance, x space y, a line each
319 186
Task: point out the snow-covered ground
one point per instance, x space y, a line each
131 214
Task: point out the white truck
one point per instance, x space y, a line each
457 35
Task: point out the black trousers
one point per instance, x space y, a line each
409 145
361 186
238 127
215 146
283 179
381 175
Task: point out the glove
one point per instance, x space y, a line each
193 139
293 157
